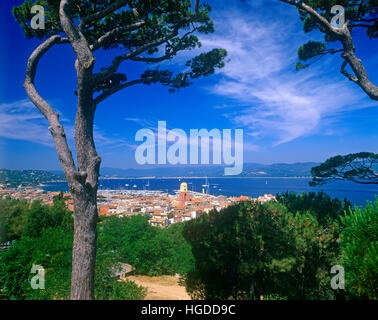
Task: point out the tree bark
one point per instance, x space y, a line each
84 245
85 199
88 162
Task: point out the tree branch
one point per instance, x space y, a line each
133 54
148 79
152 59
166 56
88 161
118 60
56 129
110 35
77 39
89 20
323 21
108 93
347 74
344 36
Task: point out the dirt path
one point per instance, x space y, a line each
161 288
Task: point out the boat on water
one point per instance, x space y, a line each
206 185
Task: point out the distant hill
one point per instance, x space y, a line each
249 170
14 178
300 169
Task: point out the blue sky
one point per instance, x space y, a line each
287 116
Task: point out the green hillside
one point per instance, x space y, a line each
14 178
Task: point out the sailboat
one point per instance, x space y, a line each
148 183
206 186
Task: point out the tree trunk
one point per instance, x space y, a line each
84 245
85 199
83 180
85 203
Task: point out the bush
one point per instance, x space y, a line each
359 243
41 217
52 251
251 250
127 290
13 216
321 205
152 251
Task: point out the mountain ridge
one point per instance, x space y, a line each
35 177
299 169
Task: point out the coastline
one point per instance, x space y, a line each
208 177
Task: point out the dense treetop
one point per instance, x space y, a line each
157 29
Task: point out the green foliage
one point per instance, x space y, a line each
127 290
42 217
203 65
280 250
310 50
359 167
359 241
316 251
43 237
321 205
15 178
46 240
150 250
107 286
360 14
300 66
173 20
15 265
52 251
274 297
13 217
120 233
355 11
18 218
249 250
23 16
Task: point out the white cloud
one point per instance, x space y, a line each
21 120
275 101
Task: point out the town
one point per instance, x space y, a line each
163 209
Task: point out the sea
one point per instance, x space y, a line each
253 187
